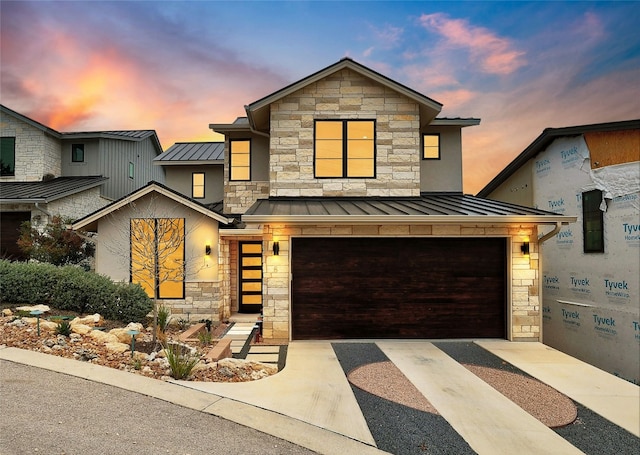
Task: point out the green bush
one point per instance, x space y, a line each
72 289
31 284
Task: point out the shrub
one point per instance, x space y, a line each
164 317
64 328
31 284
181 360
72 289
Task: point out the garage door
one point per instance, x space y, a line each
347 288
9 232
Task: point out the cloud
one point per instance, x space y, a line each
493 54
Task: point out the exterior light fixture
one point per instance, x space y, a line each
525 248
276 248
207 250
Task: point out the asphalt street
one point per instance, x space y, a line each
51 413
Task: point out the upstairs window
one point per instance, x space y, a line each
345 148
197 185
430 146
77 153
131 170
240 160
592 222
8 156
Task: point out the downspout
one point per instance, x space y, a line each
541 240
37 205
548 235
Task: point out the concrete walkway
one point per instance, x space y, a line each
310 402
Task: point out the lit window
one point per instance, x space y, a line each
240 159
592 222
197 187
344 148
431 146
8 156
131 170
157 256
77 153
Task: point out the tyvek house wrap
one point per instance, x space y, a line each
591 301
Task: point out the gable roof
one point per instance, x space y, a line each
150 187
125 135
429 208
543 141
192 153
47 190
258 111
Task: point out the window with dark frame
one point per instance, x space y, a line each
430 146
8 156
77 153
131 170
592 222
344 149
240 159
197 185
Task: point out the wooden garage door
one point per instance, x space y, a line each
349 288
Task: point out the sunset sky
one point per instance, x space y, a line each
175 67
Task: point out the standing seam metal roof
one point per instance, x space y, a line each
428 204
48 190
193 151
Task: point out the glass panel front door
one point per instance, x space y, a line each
250 277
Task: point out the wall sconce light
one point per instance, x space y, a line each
276 248
207 250
525 248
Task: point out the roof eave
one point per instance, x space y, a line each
157 162
462 122
409 219
223 128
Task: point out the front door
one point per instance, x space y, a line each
250 268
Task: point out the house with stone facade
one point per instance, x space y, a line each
343 216
591 269
45 172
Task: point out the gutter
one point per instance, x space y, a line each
407 219
37 205
548 235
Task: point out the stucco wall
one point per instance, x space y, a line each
523 272
180 178
444 174
202 288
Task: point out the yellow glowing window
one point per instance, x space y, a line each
431 146
344 148
198 185
240 159
157 256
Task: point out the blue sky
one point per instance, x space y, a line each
177 66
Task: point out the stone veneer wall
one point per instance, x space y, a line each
523 313
203 300
79 204
37 153
239 196
345 95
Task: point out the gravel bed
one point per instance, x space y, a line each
396 428
589 432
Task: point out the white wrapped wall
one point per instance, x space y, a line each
591 302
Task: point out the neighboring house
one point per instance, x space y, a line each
349 220
195 169
45 172
590 270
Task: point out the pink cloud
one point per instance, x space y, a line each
493 54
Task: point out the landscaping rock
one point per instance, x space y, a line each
43 308
117 347
81 329
6 312
103 337
91 320
122 334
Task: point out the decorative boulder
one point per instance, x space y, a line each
91 320
81 329
6 312
125 337
43 308
117 347
103 337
